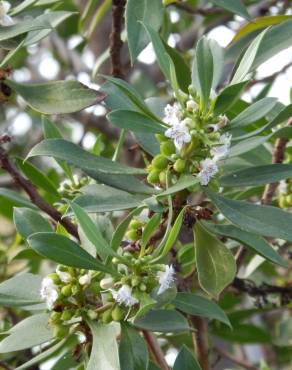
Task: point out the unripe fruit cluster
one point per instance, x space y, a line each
135 230
285 198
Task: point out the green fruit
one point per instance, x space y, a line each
162 177
167 148
106 317
160 162
118 314
153 177
161 137
67 290
289 199
66 315
61 331
55 317
143 287
55 277
283 202
135 224
132 235
179 165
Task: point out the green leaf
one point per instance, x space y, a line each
75 155
215 263
164 321
149 229
28 221
254 112
138 11
228 97
12 54
247 145
16 199
261 220
257 175
243 333
186 361
60 249
203 69
183 183
21 291
104 352
21 7
58 97
133 351
92 232
194 304
135 121
37 177
234 6
247 61
101 198
28 333
257 243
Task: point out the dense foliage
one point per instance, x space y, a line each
145 218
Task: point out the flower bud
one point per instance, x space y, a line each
107 283
135 281
85 279
167 148
55 317
162 177
117 313
191 105
160 162
106 317
143 287
179 165
67 290
66 315
55 278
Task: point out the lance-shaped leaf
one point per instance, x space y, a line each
234 6
257 243
28 221
61 249
215 263
133 351
228 97
58 97
138 11
186 361
261 220
80 158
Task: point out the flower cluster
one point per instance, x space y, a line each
71 187
5 19
74 295
192 144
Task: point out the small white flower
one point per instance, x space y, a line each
49 292
5 20
225 139
220 152
124 296
191 105
179 133
65 277
85 279
208 170
106 283
172 113
165 278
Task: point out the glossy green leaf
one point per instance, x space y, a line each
216 265
28 333
21 291
28 221
261 220
149 228
248 59
186 361
164 321
16 198
194 304
60 249
104 352
138 12
22 6
183 183
234 6
133 351
92 232
259 175
135 121
58 97
245 146
257 243
228 97
244 333
78 157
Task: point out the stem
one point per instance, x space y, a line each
120 144
235 360
200 339
155 349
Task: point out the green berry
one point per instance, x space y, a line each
160 162
135 224
153 177
143 287
67 290
179 165
282 201
61 331
67 315
132 235
289 199
167 148
118 314
106 317
55 317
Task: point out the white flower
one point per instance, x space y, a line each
124 296
106 283
165 278
225 139
172 113
191 105
220 152
5 20
179 133
49 292
85 279
65 277
208 170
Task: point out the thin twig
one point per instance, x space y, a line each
200 339
199 11
271 77
115 37
7 165
155 349
277 157
233 359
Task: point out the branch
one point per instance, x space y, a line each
7 165
200 338
115 37
271 77
233 359
155 349
199 11
277 157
